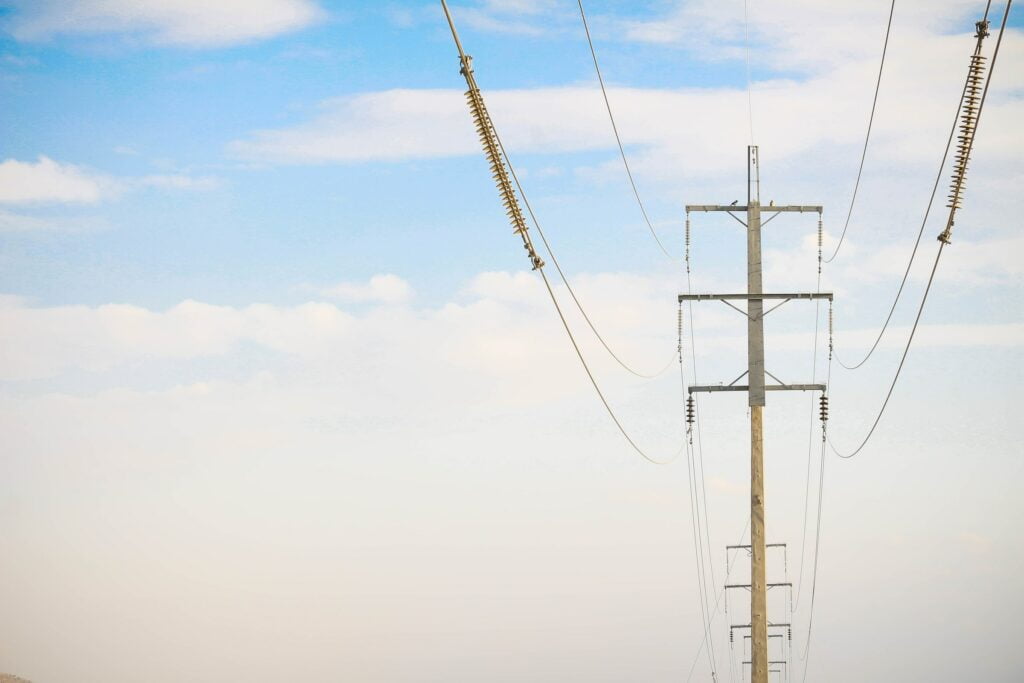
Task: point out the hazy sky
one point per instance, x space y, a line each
281 400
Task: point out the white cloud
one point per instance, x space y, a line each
670 132
809 36
96 339
387 289
181 22
399 460
52 182
501 320
47 180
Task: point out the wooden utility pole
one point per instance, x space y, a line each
756 389
755 375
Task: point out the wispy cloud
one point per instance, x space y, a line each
500 321
194 23
792 117
46 181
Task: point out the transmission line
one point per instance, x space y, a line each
970 117
718 601
917 242
698 543
867 136
817 547
696 404
697 458
565 323
810 429
501 167
572 293
618 139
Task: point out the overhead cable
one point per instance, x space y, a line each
698 543
817 547
718 601
583 312
618 139
867 136
917 242
495 152
967 142
810 430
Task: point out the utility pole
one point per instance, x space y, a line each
755 388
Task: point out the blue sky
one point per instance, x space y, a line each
261 307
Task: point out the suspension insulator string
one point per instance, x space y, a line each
690 415
687 242
969 110
821 236
679 345
492 150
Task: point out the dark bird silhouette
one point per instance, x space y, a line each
734 202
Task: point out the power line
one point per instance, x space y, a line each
817 547
583 312
718 601
810 429
899 368
699 453
495 152
867 137
698 546
568 330
579 305
967 143
697 408
917 242
615 129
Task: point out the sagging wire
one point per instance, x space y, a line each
920 232
498 158
810 429
693 419
971 115
618 139
970 122
718 601
867 136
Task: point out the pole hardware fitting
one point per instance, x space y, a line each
974 92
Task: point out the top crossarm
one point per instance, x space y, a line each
794 208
